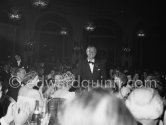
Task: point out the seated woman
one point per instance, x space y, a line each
27 93
122 90
96 107
63 85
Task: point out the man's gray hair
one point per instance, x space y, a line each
91 47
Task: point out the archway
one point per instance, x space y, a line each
107 38
51 44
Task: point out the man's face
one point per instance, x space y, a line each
91 53
136 76
52 72
17 57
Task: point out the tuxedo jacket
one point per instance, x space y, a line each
84 72
22 64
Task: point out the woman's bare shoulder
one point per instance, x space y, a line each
34 91
28 91
22 89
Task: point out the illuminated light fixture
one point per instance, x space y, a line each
63 31
141 33
15 14
126 49
28 43
40 3
90 27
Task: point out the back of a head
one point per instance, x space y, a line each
145 104
97 107
29 77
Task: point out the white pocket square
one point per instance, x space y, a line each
98 69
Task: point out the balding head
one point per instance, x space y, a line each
91 52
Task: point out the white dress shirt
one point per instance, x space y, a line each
91 65
18 62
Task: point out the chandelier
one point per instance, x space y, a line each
40 3
77 47
28 45
15 14
64 31
126 49
90 27
141 33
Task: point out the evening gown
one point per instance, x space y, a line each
29 100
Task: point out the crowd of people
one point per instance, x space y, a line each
90 96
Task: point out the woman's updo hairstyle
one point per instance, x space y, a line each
29 77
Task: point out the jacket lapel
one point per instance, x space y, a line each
88 68
94 68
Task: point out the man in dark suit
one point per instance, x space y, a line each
18 62
91 72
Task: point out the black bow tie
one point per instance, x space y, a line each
90 62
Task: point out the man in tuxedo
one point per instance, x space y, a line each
91 72
18 62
